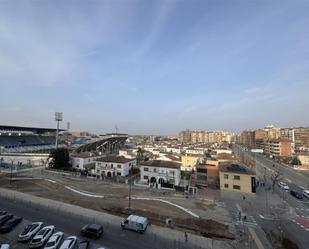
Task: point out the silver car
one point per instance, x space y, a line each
69 242
42 237
54 241
29 231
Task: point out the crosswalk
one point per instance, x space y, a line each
250 221
303 209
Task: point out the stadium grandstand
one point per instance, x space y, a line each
18 139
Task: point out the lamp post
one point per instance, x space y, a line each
58 118
130 188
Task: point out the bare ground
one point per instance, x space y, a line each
115 201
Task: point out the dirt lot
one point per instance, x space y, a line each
115 201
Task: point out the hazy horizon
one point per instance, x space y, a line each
155 67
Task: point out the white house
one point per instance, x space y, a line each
157 172
195 151
82 160
110 166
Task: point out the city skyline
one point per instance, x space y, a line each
155 67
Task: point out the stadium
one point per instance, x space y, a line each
19 139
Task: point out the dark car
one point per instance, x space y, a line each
5 218
10 224
2 212
93 231
83 244
296 194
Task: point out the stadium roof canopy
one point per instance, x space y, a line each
23 128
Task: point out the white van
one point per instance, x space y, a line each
306 193
135 223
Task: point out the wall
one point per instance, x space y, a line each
244 182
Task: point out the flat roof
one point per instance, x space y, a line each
236 168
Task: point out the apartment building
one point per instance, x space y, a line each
280 147
185 136
259 137
237 178
247 138
111 166
159 173
301 136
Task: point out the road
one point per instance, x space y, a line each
295 225
113 238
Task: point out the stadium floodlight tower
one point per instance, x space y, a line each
58 118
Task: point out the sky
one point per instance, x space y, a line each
155 67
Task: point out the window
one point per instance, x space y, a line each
119 166
146 169
154 170
146 177
118 174
236 177
226 186
112 166
226 176
236 187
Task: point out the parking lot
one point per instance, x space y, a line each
11 237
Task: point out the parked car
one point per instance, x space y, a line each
2 212
4 218
69 243
10 224
83 244
284 186
54 241
296 194
5 246
135 223
306 194
29 231
93 231
41 237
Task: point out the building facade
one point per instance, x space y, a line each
237 178
111 166
158 173
280 147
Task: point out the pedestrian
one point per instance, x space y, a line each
244 197
239 216
245 217
186 237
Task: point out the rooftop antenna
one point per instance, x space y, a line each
116 128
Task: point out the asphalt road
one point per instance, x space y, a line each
114 237
295 228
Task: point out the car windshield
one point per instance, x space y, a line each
50 243
27 229
36 240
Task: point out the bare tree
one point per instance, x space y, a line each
275 178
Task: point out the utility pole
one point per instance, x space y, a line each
11 175
130 188
58 118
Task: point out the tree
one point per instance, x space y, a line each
59 159
295 161
275 177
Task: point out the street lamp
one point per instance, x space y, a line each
58 118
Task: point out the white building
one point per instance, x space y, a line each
195 151
82 160
156 172
111 166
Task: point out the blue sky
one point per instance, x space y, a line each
155 67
